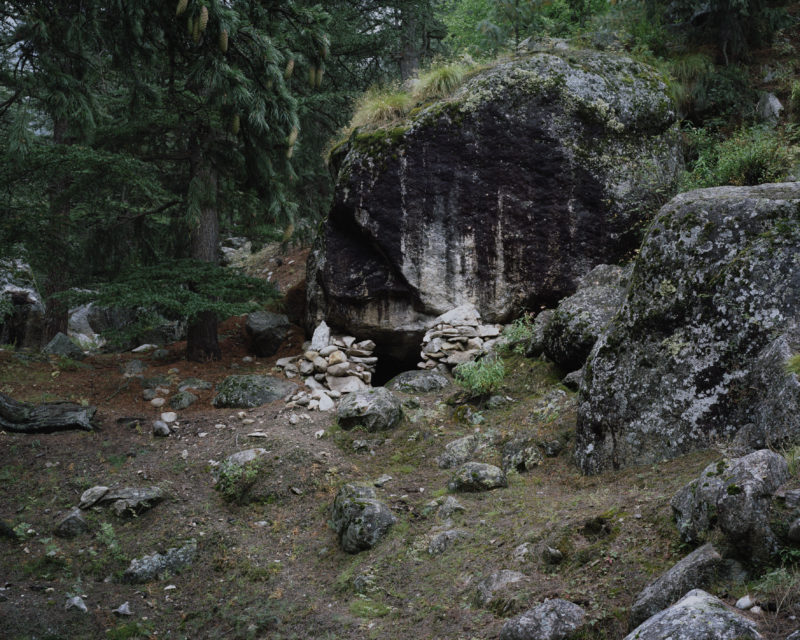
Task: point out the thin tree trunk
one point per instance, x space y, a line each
410 55
202 343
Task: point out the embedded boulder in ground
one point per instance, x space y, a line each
734 496
552 620
499 592
578 321
247 391
148 568
697 616
267 331
62 346
374 409
359 518
501 196
699 350
698 570
477 476
418 382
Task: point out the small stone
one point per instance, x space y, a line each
72 525
161 429
92 496
325 403
182 400
144 347
319 434
321 337
745 602
478 476
247 359
382 480
76 602
158 402
148 394
337 357
123 610
169 416
331 348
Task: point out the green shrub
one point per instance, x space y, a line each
235 480
518 334
750 156
480 377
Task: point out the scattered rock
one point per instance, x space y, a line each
247 391
734 496
61 345
72 525
132 500
522 454
477 476
449 507
498 592
92 496
169 416
698 570
461 450
267 332
552 620
194 384
148 568
161 429
321 337
444 540
375 409
76 602
133 368
417 381
745 602
697 616
123 610
769 108
182 400
535 345
158 402
359 519
149 394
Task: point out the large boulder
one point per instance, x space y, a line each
552 620
735 497
500 196
21 307
700 347
267 331
697 616
374 409
578 321
247 391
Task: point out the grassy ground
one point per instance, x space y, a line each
274 569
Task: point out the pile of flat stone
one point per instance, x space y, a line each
331 365
456 337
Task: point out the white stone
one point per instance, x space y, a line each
310 354
348 341
169 416
158 402
144 347
328 350
320 364
318 434
347 384
325 403
313 405
489 331
284 362
745 602
337 357
91 496
339 370
466 314
321 337
312 384
366 345
306 367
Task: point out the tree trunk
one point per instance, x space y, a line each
21 417
410 54
56 312
202 343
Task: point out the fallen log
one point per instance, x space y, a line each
22 417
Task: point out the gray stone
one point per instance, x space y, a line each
535 345
794 636
194 384
149 394
158 402
72 525
374 409
148 568
418 382
24 326
552 620
169 417
241 458
698 570
572 381
734 496
123 610
699 348
579 320
345 384
449 507
455 211
160 428
769 108
61 345
477 476
359 518
498 592
92 496
443 541
247 391
521 454
182 400
697 616
267 331
133 500
463 449
133 367
160 355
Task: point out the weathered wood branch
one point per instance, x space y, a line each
21 417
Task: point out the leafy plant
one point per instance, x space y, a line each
480 377
235 480
517 335
108 538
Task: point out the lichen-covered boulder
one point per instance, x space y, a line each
700 347
150 567
477 476
697 616
499 592
698 570
359 518
501 195
579 320
62 346
247 391
374 409
21 307
552 620
734 496
418 381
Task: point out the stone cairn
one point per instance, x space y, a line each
330 366
456 337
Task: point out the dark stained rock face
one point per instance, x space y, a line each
702 348
500 196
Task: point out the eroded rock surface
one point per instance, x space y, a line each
359 518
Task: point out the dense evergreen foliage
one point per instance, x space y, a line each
139 133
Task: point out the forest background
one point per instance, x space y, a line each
137 134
